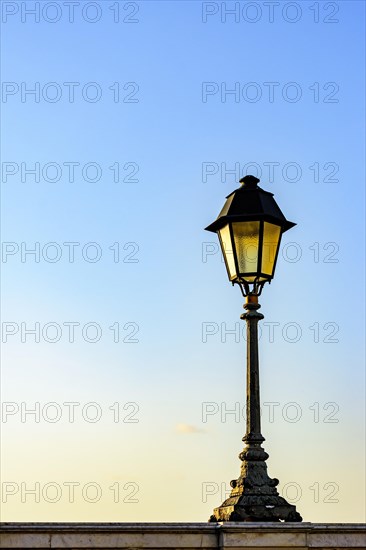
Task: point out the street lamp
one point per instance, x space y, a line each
250 227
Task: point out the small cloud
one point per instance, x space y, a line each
188 429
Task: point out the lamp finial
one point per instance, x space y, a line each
250 182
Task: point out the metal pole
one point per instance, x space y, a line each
254 496
252 316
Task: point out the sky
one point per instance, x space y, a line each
125 125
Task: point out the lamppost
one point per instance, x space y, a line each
250 227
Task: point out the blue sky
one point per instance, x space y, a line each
177 290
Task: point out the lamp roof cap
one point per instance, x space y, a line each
249 203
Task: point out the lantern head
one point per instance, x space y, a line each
250 228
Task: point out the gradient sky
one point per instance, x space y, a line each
169 291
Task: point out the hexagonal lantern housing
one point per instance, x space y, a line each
250 228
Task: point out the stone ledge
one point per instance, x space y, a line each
192 536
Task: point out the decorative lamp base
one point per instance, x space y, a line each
254 496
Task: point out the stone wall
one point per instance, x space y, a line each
184 536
